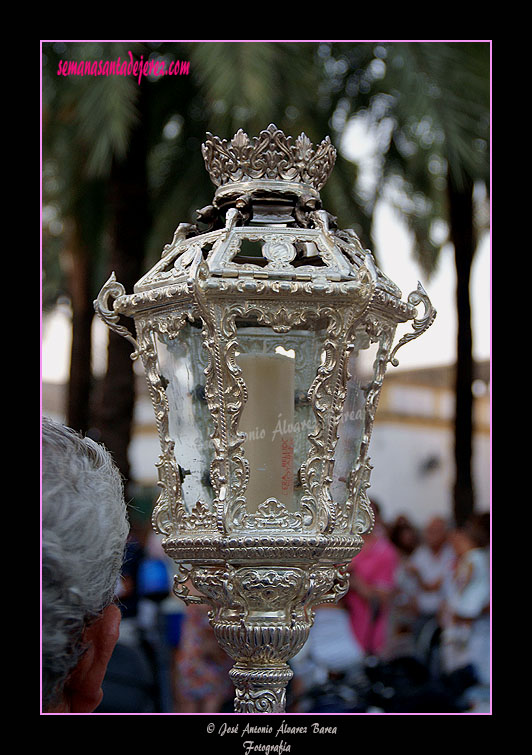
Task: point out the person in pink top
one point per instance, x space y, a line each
372 577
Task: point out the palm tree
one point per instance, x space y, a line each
431 102
73 187
87 128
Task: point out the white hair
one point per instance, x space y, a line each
84 532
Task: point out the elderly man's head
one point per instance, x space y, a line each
84 531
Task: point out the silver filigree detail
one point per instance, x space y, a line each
180 589
271 514
279 252
200 517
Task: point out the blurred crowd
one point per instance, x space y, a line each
412 634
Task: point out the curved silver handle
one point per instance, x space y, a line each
113 289
421 324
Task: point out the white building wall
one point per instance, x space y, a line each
144 451
413 471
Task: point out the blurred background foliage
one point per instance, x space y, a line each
122 166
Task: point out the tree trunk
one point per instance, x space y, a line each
129 229
79 385
463 238
84 230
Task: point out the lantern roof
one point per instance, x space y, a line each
266 232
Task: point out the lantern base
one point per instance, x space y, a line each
261 615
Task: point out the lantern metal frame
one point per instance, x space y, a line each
263 572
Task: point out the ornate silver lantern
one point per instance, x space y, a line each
251 334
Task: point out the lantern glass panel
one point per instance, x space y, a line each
182 361
355 422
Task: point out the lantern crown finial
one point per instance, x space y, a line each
269 156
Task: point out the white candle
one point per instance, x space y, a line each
268 420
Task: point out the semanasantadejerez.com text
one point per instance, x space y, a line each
118 67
